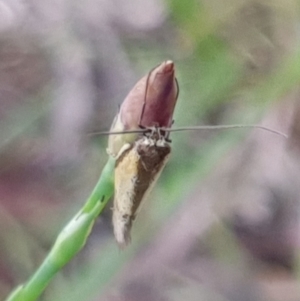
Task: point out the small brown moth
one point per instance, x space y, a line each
136 171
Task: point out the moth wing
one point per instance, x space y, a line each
125 177
136 172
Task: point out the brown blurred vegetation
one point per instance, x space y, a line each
223 222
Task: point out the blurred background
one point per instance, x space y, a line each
222 224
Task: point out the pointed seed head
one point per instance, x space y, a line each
151 102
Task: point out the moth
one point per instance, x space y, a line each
139 141
137 169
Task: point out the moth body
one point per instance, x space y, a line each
137 169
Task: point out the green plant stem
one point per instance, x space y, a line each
71 239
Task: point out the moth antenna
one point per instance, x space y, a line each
177 85
137 131
224 127
193 128
145 96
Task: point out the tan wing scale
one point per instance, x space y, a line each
136 171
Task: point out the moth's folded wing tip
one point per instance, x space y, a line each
122 233
123 241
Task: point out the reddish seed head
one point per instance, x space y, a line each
152 100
